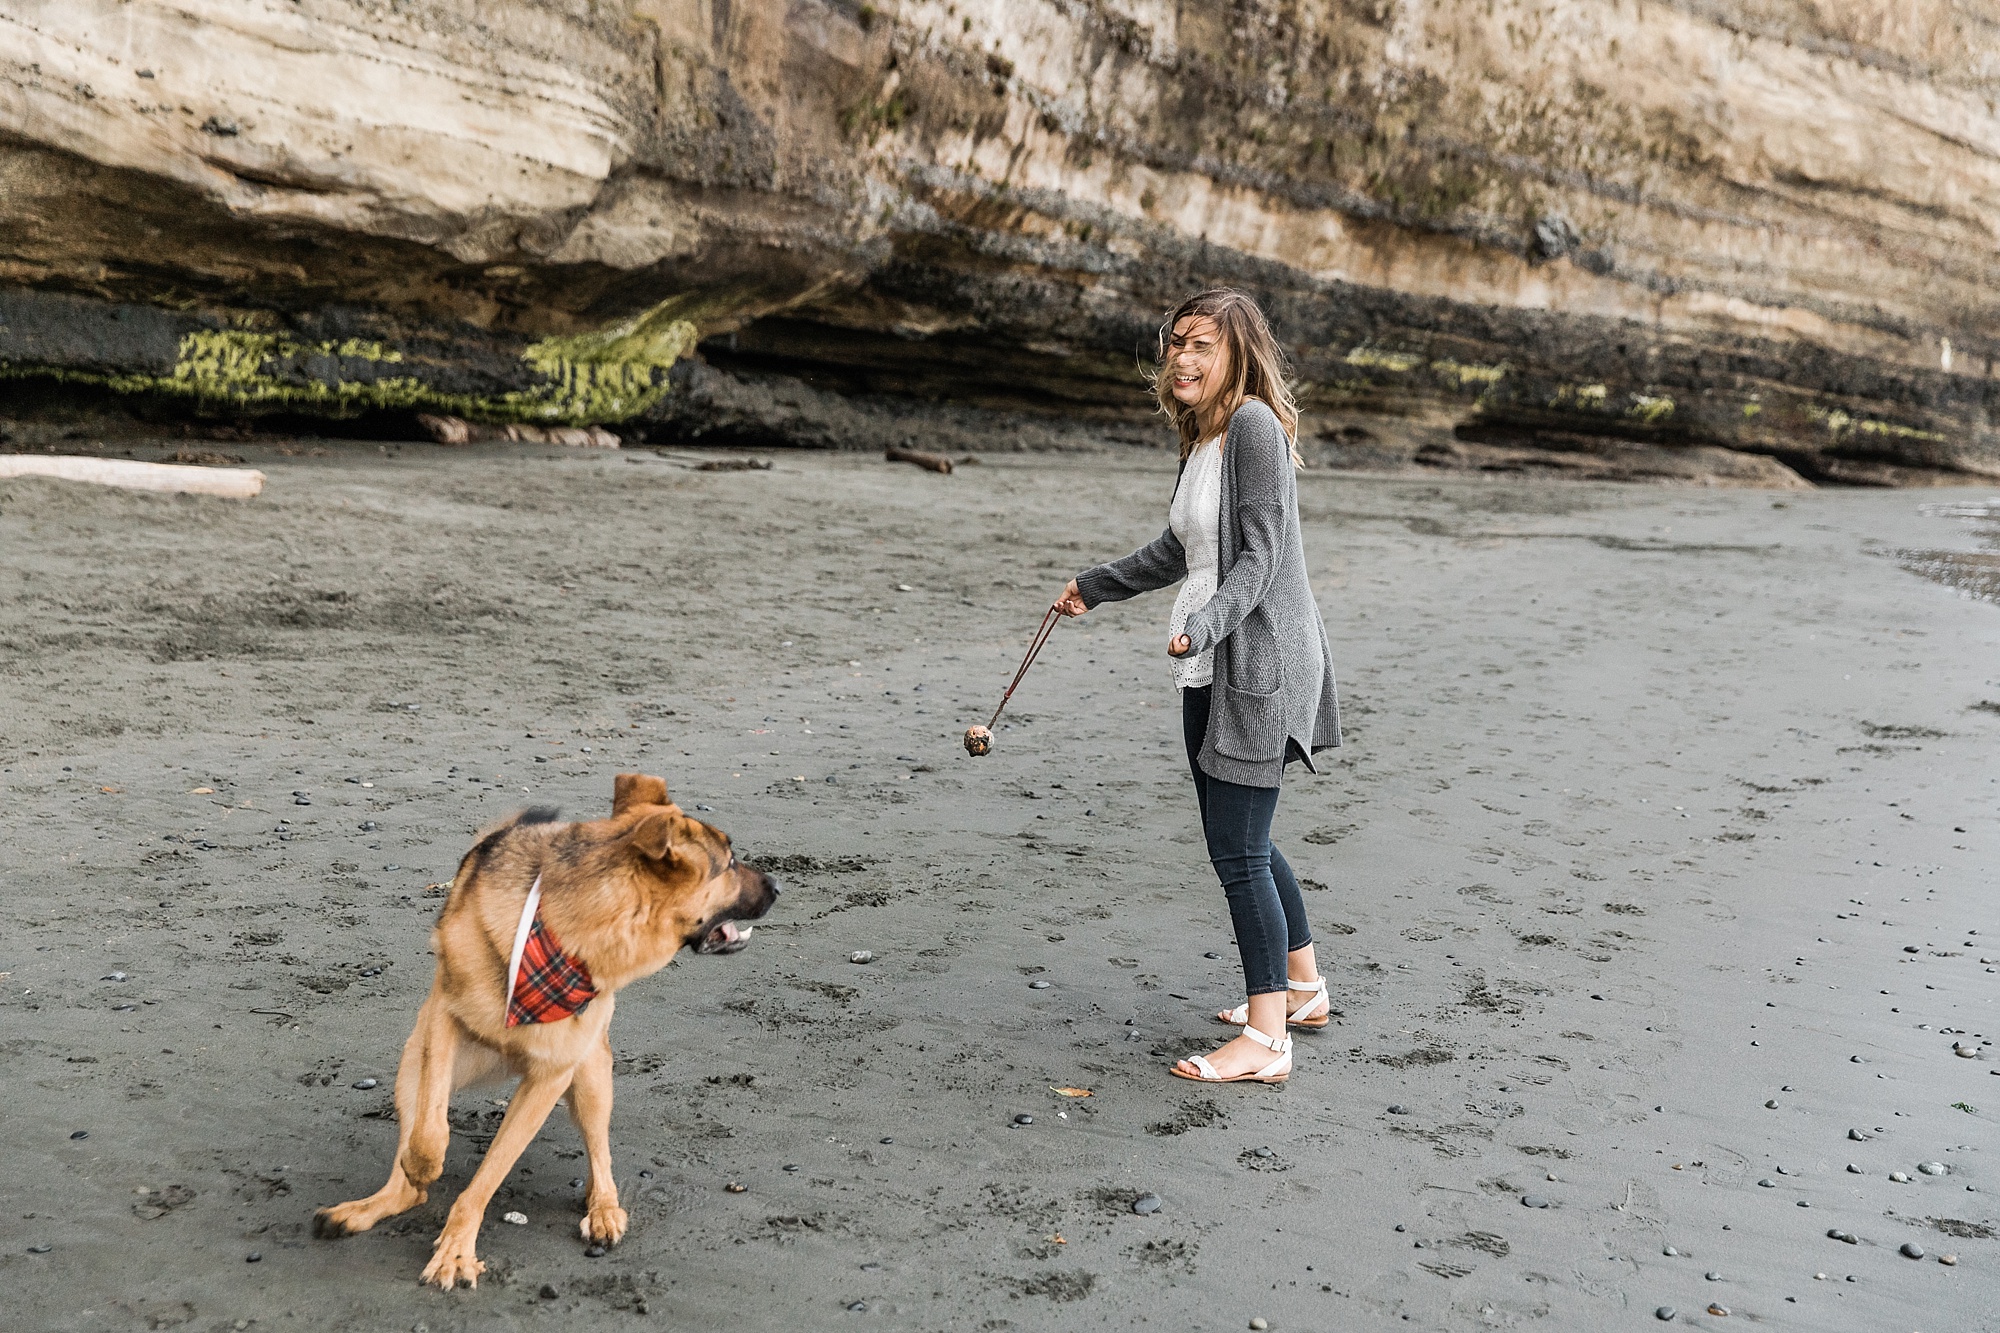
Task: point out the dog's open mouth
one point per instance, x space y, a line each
724 937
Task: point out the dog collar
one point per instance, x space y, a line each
544 984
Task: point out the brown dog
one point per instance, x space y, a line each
622 896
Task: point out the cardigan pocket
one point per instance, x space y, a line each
1255 662
1246 725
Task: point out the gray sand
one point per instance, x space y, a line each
1648 795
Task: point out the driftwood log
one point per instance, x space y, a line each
236 483
935 462
457 430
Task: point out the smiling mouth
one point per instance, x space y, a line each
724 937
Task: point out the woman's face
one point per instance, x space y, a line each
1197 361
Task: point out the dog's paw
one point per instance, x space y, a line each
453 1265
342 1219
358 1215
604 1223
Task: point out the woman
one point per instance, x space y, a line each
1249 651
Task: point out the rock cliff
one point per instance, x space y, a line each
1731 240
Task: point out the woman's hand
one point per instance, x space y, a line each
1070 603
1178 646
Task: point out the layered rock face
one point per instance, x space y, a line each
1739 241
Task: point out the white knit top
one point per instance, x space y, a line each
1194 517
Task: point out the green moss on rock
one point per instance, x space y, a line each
609 375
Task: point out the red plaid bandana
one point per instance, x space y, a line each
544 984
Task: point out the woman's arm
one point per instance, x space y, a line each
1262 457
1154 565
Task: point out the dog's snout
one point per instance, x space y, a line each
758 883
757 892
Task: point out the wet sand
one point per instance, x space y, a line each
1651 870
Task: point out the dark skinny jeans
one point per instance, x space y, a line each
1264 902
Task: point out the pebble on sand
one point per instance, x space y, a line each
1533 1201
1665 1314
1713 1276
1211 955
735 1188
253 1258
1671 1252
1768 1183
1933 1168
1948 1260
1857 1136
861 956
80 1134
44 1249
1720 1311
515 1219
858 1307
1847 1237
1397 1108
1024 1120
363 1084
1912 1250
1146 1203
1038 985
1260 1323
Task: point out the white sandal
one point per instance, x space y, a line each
1314 1013
1277 1071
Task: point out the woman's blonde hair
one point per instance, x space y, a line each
1258 367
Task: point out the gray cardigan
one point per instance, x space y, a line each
1273 698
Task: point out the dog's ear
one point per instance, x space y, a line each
630 789
653 836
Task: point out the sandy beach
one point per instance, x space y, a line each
1656 888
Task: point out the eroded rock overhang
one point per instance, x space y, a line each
1532 225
